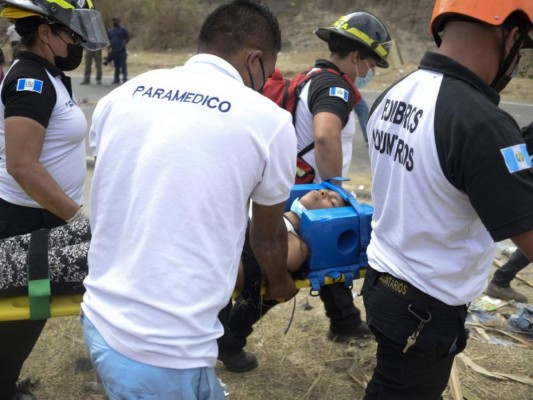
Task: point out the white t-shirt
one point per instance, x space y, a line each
63 152
180 153
425 231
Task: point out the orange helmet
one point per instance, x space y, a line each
492 12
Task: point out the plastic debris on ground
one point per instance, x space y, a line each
484 311
522 320
486 304
480 316
500 342
224 387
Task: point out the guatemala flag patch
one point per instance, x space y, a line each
30 85
339 92
516 158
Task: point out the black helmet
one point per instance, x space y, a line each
78 15
363 28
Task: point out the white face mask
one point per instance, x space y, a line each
361 82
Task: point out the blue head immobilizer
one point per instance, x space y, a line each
337 238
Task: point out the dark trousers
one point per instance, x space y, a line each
504 275
343 315
422 372
239 317
17 338
120 63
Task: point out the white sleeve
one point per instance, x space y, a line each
280 168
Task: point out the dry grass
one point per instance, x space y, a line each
302 364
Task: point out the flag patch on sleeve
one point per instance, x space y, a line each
516 158
339 92
30 85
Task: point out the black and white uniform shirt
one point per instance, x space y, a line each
36 89
326 92
451 175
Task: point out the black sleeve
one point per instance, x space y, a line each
527 134
28 92
326 92
470 134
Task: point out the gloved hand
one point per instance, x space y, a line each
78 217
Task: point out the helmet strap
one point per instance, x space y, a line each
501 80
437 38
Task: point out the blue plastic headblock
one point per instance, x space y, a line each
337 237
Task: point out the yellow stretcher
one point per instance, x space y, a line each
17 308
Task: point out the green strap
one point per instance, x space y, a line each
39 289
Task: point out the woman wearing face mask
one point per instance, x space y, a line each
42 140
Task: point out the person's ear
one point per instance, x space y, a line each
253 57
44 31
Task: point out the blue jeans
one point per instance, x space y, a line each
126 379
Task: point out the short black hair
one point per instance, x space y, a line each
27 29
237 24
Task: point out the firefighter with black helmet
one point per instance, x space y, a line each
451 175
360 27
42 146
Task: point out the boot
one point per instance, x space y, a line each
505 293
360 332
241 361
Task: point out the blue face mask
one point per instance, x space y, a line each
361 82
297 207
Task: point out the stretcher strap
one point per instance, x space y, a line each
39 290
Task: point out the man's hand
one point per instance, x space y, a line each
281 289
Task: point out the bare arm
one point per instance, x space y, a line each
24 142
328 145
524 242
297 252
268 239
